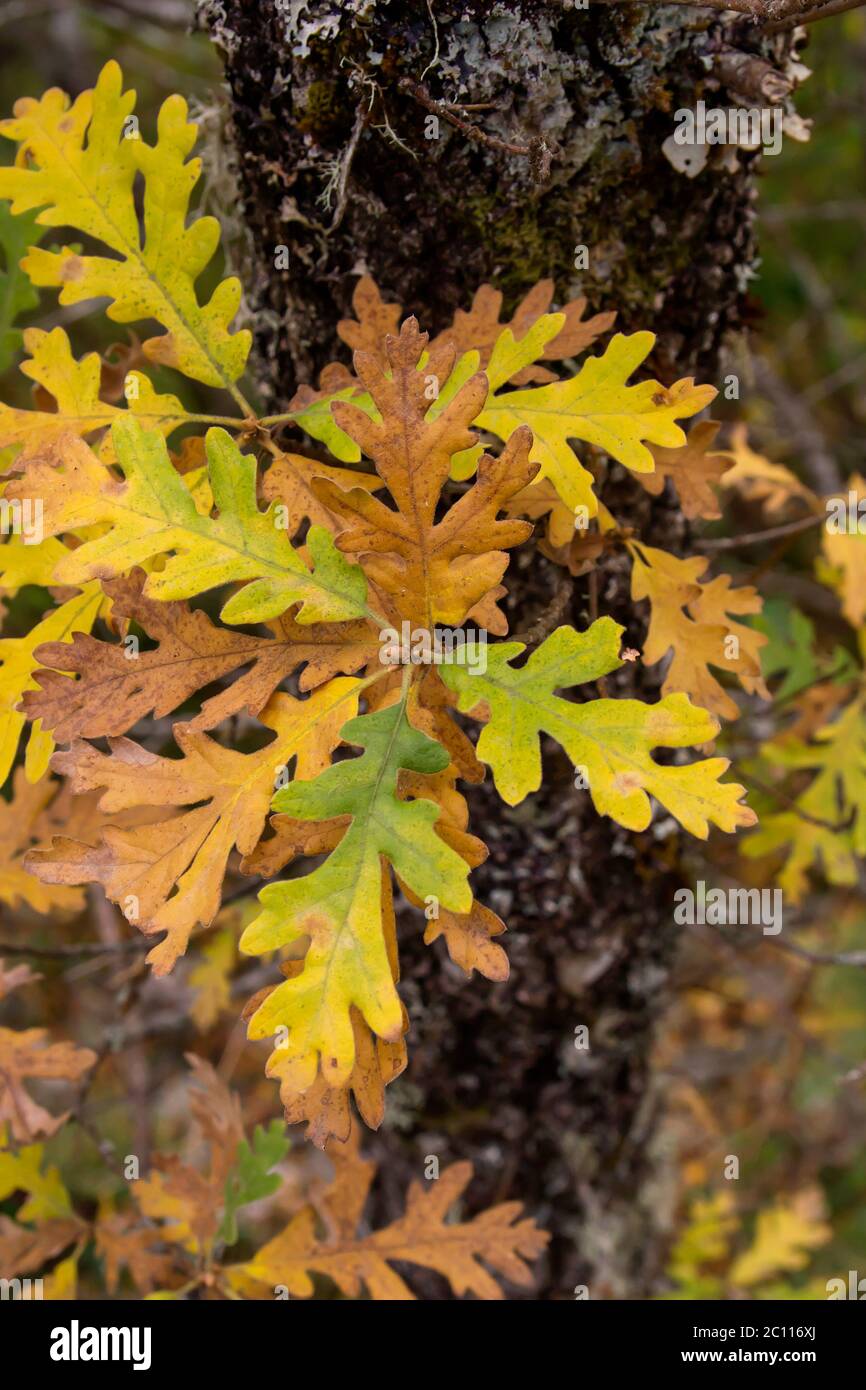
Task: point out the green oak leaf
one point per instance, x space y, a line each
610 740
339 906
251 1178
154 513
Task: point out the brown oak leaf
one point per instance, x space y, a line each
230 793
433 571
97 689
692 469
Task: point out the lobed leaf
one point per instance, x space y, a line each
611 739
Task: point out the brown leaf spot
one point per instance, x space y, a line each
72 268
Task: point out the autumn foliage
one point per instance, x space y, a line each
392 496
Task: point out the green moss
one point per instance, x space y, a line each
324 115
522 250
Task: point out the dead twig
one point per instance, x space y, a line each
789 528
443 109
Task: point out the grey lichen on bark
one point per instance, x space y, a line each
333 162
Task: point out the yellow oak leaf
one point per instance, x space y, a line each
22 1170
691 617
760 480
844 548
78 164
826 823
74 388
23 563
323 1108
154 513
596 405
785 1233
23 823
17 675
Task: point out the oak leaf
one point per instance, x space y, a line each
339 905
374 320
72 390
154 512
611 739
75 163
23 1170
596 405
758 479
691 616
23 823
422 1236
845 555
27 1055
826 823
18 675
100 690
480 327
431 571
784 1234
692 469
230 793
123 1243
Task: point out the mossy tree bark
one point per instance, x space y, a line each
333 162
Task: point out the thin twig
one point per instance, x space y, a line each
83 948
472 132
853 958
361 118
549 616
789 528
819 12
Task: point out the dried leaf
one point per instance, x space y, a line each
759 480
422 1236
431 571
692 617
22 824
28 1055
230 793
480 328
105 690
692 469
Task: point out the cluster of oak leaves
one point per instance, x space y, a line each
410 521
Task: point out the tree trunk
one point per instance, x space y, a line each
330 118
